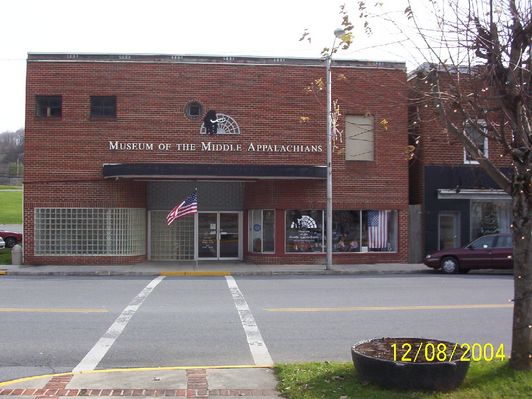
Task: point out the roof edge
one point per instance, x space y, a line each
209 59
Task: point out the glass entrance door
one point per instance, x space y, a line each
208 235
449 230
218 235
229 235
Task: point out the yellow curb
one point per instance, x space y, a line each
205 273
36 377
3 272
133 369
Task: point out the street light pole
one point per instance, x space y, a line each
328 218
338 34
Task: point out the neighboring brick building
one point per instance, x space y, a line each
113 142
459 201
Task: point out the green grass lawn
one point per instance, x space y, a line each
5 256
10 205
326 380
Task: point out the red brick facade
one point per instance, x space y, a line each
64 155
437 146
439 166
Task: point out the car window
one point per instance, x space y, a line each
482 242
504 242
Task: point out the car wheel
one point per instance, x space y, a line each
10 242
449 265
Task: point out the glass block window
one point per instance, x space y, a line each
90 231
174 242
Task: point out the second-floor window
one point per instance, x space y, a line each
359 138
477 132
103 106
49 106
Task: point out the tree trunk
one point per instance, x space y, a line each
521 356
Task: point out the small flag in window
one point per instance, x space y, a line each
187 207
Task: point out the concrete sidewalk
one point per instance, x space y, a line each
210 268
177 382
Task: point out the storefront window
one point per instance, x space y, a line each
365 231
268 236
304 231
346 231
353 231
262 230
489 217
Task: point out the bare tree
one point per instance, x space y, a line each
476 74
479 76
476 61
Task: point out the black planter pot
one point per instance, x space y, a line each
434 375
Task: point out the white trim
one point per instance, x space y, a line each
476 194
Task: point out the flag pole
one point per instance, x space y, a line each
196 268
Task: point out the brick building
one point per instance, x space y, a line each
114 142
459 201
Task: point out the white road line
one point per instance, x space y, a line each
258 348
98 351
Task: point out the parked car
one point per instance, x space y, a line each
2 243
492 251
11 238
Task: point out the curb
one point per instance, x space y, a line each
212 273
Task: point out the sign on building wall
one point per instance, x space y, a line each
208 146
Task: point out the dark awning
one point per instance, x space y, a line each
211 171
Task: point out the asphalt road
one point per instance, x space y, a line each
51 325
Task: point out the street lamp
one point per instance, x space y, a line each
338 34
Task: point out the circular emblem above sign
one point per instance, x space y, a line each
226 125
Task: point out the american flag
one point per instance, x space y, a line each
187 207
378 229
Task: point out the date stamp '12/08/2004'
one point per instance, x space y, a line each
429 352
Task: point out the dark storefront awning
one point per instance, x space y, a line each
211 171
